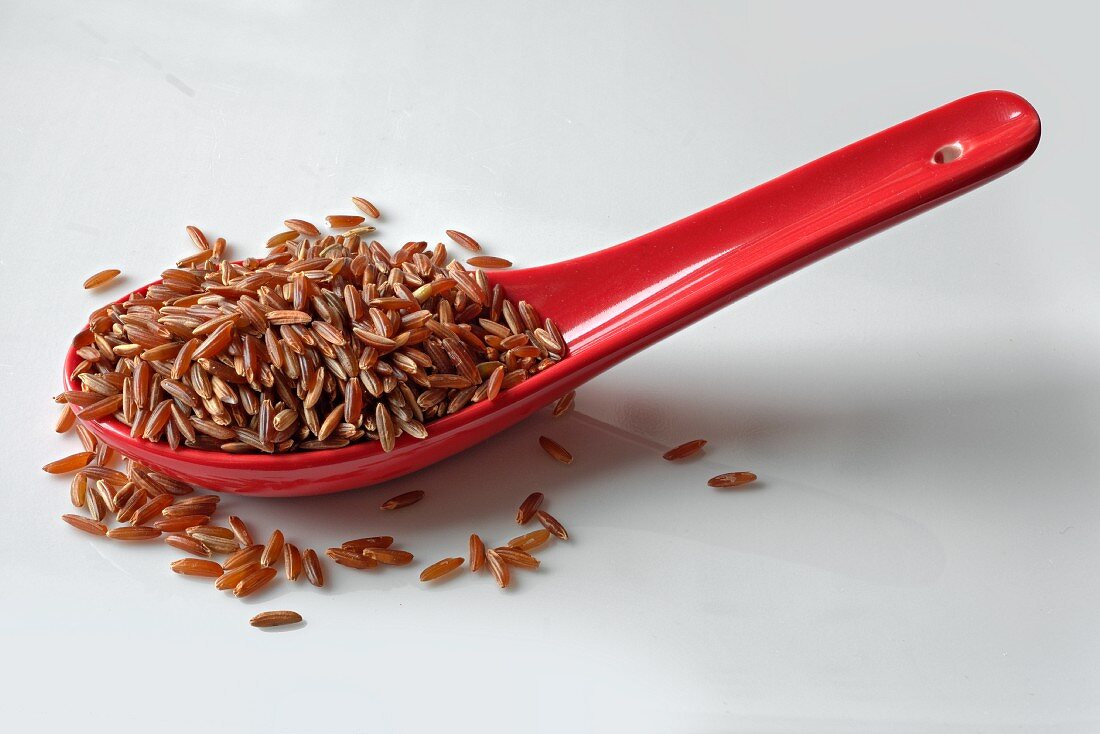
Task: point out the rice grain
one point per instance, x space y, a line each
101 278
82 523
360 544
498 568
275 619
273 550
528 507
254 582
477 553
684 450
388 556
133 533
465 240
312 565
240 531
487 261
198 237
530 541
292 561
351 559
551 523
564 404
187 544
366 207
403 500
517 557
302 227
243 557
343 221
440 569
555 450
197 567
70 463
732 479
66 420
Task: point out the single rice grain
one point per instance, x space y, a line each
101 278
551 523
555 450
275 619
530 541
254 582
360 544
240 531
82 523
70 463
366 207
343 221
197 567
351 559
178 524
187 544
465 240
685 450
516 557
292 561
487 261
243 557
477 553
389 556
403 500
440 569
235 575
198 237
564 404
498 568
133 533
273 550
66 420
312 565
528 507
302 227
732 479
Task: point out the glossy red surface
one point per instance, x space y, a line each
617 301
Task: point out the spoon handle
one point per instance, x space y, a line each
615 302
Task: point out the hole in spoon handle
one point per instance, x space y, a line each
948 153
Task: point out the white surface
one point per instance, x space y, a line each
921 553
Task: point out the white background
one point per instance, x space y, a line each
922 409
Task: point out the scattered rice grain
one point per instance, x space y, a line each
101 278
528 507
366 207
133 533
564 404
551 523
685 450
82 523
403 500
312 565
555 450
530 541
440 569
498 568
487 261
465 240
275 619
477 553
197 567
732 479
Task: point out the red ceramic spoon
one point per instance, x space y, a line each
614 302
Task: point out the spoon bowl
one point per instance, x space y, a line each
615 302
